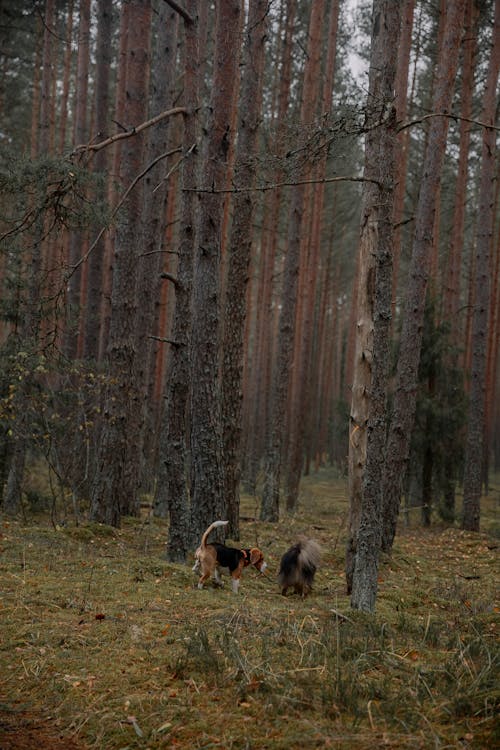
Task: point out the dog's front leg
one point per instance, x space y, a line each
235 584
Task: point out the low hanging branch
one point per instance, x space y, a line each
276 185
93 147
422 119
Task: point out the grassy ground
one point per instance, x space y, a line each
106 645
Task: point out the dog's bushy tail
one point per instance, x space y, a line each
212 526
299 564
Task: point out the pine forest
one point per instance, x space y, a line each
247 246
249 273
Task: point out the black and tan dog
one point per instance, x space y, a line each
298 567
215 558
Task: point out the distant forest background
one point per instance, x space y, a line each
184 264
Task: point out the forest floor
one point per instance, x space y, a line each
103 644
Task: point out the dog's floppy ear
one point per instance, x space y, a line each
255 555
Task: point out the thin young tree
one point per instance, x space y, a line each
369 394
403 410
484 234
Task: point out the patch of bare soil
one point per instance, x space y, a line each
21 730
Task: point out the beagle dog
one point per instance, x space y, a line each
298 567
215 558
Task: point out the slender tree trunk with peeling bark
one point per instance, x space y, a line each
367 429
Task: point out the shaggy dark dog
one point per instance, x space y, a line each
298 567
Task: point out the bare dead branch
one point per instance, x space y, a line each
420 120
171 278
120 204
180 10
93 147
275 185
165 341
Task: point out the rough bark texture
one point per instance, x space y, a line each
261 363
368 409
303 396
172 491
403 412
484 233
29 328
80 136
285 346
115 486
100 165
239 251
153 220
207 502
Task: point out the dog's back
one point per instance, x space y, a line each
298 566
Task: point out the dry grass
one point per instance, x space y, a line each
111 646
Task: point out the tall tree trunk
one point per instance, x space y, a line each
368 409
207 502
118 118
285 345
92 320
403 412
484 234
115 486
303 395
80 136
31 317
153 220
262 360
66 79
172 493
239 251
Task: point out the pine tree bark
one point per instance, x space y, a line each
92 319
257 399
115 485
31 318
172 494
153 221
207 502
403 412
285 345
301 407
484 234
80 136
239 251
369 398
